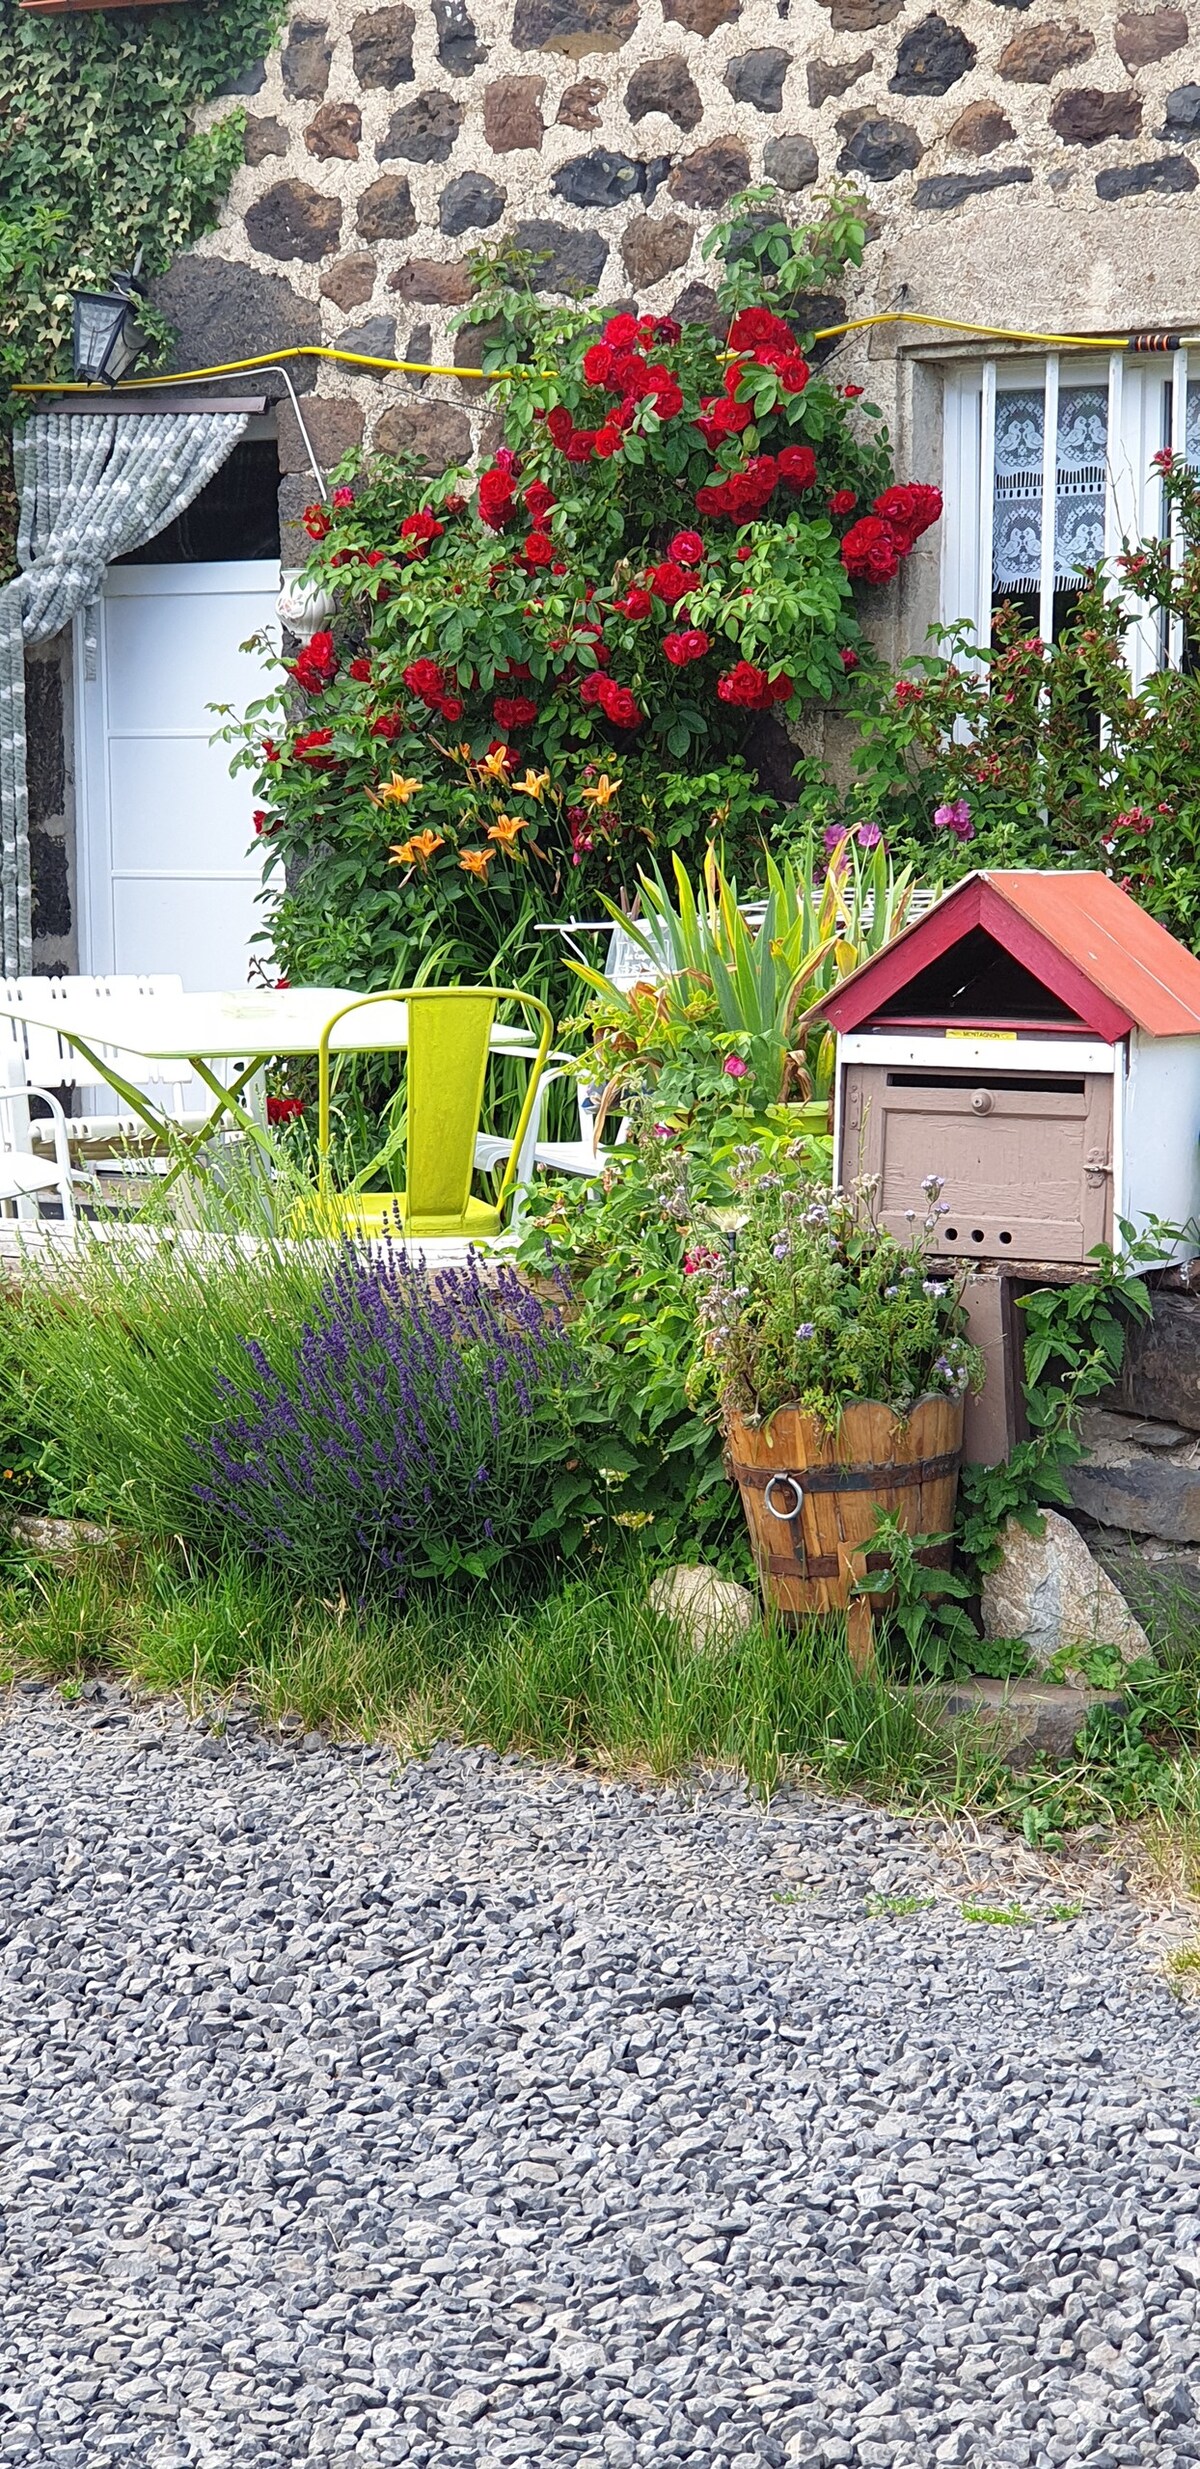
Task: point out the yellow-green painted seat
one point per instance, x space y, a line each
449 1040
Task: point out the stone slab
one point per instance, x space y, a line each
1025 1719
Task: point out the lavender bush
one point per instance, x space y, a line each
413 1432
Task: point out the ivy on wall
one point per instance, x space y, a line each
98 158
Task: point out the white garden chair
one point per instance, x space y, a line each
26 1180
106 1141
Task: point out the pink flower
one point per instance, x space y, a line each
868 835
955 818
734 1068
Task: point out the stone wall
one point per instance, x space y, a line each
1023 167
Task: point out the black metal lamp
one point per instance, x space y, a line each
107 337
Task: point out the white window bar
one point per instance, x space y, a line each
1049 498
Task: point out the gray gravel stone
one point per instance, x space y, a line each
470 2112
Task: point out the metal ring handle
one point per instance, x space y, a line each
784 1515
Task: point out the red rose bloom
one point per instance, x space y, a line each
597 365
690 645
848 658
284 1109
718 419
306 747
669 582
495 498
538 500
360 671
451 707
636 603
421 528
606 442
852 393
843 501
561 426
514 711
260 816
618 705
343 497
871 551
316 522
539 549
374 557
667 393
908 511
621 331
751 688
592 687
579 446
755 326
745 551
426 679
686 549
388 726
798 466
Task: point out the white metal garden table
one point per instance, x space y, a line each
249 1029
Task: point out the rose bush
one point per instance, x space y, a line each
663 552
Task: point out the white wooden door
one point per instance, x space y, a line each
167 866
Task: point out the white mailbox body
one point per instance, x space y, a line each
1034 1039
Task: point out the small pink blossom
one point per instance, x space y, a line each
868 835
734 1068
955 818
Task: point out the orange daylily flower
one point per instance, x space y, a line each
394 792
495 764
505 829
602 791
476 861
533 785
418 850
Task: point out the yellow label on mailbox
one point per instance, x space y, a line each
1003 1037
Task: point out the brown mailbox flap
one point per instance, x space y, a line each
1026 1159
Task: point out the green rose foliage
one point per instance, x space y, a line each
569 663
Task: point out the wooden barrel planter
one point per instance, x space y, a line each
811 1497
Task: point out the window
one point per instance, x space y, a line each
1048 468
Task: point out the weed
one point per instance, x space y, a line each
997 1915
1182 1968
897 1907
1065 1911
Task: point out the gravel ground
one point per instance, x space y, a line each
473 2112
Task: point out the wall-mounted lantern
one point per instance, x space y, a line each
107 336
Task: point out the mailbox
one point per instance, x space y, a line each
1034 1039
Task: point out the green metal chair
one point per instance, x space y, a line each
449 1040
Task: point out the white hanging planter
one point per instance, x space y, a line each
302 606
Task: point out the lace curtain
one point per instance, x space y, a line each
91 487
1081 451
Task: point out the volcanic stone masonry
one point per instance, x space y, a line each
1022 166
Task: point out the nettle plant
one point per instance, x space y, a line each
663 552
1026 753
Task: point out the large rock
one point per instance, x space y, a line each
512 114
604 179
859 16
654 247
708 1610
827 77
712 175
472 202
979 130
375 339
1049 1591
756 77
438 434
292 220
879 149
443 283
385 210
263 138
334 423
1141 1476
667 86
306 57
1183 113
221 311
423 131
458 46
1149 34
569 260
381 41
1160 1375
1171 176
334 132
953 188
791 162
931 58
573 27
350 281
1038 53
1086 117
580 105
701 16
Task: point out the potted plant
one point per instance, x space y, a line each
842 1364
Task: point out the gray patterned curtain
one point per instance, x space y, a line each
91 487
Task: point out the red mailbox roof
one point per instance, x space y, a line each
1079 934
